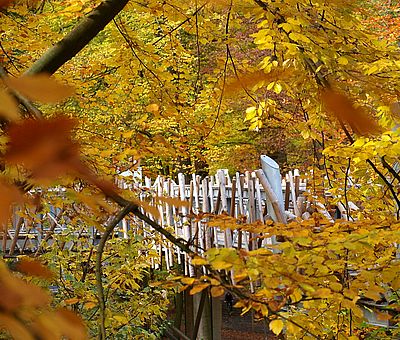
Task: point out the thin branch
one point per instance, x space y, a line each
179 25
98 267
389 185
237 75
390 168
346 178
8 57
224 77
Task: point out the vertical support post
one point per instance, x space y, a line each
273 175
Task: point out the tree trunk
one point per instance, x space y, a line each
216 318
204 331
78 38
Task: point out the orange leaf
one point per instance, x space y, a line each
90 305
217 291
198 288
9 195
34 268
71 325
15 328
71 301
40 87
343 108
177 202
5 3
152 108
43 146
247 81
16 293
9 106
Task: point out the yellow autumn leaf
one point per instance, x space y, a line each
342 61
152 108
198 288
336 286
220 265
9 106
276 326
120 318
198 261
40 88
322 293
217 291
188 280
297 295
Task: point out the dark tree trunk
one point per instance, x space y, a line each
78 38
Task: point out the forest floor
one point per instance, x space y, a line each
236 327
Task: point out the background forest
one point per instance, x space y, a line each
92 89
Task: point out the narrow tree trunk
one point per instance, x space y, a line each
216 310
78 38
189 317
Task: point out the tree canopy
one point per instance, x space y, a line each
192 87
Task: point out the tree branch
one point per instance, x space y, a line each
98 268
78 38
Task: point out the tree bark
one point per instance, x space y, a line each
78 38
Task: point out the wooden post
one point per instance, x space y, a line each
272 174
251 208
287 192
239 185
224 206
294 197
14 242
296 174
271 196
206 209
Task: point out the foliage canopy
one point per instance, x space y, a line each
185 86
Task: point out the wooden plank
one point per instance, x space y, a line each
294 197
239 186
271 196
251 208
14 241
206 209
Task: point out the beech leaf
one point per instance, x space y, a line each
5 3
40 88
343 108
71 325
16 329
43 146
9 106
276 326
217 291
34 268
198 288
9 195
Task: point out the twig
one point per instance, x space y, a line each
98 267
